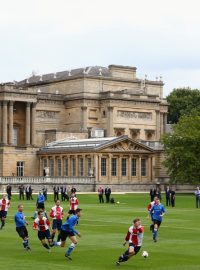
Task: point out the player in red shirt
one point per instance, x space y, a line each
57 215
134 237
4 205
42 224
73 205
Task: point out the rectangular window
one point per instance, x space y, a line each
81 166
44 162
51 167
134 167
66 167
143 167
124 166
114 167
89 165
73 167
20 168
59 168
103 167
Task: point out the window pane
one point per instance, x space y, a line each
59 170
143 167
66 167
81 166
73 167
89 166
134 167
20 168
124 166
103 167
114 167
51 167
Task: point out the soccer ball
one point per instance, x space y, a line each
145 254
118 202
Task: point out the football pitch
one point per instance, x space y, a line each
103 228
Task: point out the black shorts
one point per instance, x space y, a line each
3 214
57 224
71 212
44 234
22 231
158 222
136 248
65 234
40 206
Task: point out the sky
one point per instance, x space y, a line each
159 37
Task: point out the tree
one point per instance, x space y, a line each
181 101
182 149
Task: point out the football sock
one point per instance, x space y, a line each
2 223
155 233
70 249
124 257
59 238
46 246
52 236
56 244
24 244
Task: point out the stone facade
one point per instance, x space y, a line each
69 104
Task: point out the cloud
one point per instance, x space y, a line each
158 37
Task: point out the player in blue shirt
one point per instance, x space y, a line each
157 212
40 205
21 223
67 230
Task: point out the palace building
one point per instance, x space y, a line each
101 122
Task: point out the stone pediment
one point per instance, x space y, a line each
127 145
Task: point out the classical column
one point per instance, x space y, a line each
5 123
110 129
77 166
28 123
33 112
161 123
149 169
1 120
139 169
11 122
54 166
84 118
119 169
99 171
164 122
96 169
109 168
69 166
153 168
129 168
158 125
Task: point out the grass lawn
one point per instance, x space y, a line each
103 228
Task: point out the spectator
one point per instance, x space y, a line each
30 193
63 193
9 191
197 195
21 192
73 190
107 194
56 193
173 198
27 192
100 193
168 195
